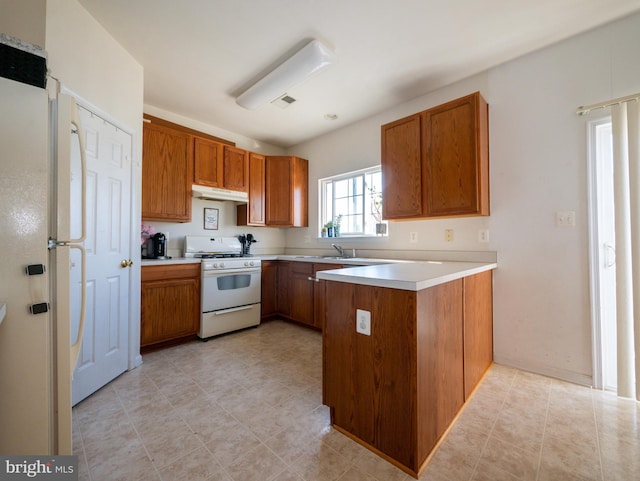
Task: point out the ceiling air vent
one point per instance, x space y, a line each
284 101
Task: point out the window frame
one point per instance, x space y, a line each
322 201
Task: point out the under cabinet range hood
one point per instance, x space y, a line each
212 193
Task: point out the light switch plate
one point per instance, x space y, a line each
363 322
566 218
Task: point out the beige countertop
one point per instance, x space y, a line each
409 276
391 273
322 259
355 261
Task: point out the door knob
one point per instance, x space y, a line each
126 263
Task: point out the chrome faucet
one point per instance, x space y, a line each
339 249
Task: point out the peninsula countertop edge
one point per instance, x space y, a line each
409 276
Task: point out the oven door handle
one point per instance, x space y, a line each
240 270
233 309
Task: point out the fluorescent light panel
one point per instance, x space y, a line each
308 61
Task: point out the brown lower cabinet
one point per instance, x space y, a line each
282 295
291 291
398 390
301 288
269 282
478 328
170 304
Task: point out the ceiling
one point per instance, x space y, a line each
198 55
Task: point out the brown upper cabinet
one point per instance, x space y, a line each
257 202
166 174
219 165
254 212
402 168
173 157
207 162
286 191
235 170
436 163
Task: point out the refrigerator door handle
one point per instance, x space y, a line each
75 121
75 347
77 243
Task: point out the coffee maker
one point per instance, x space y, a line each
157 247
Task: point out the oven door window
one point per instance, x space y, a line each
234 281
232 289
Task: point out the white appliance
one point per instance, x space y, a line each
212 193
36 353
230 284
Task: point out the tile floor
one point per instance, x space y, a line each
247 407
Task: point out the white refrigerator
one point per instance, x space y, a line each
38 346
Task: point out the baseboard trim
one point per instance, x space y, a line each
545 370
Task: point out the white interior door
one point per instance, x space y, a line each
104 352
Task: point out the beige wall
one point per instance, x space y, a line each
89 61
538 155
24 19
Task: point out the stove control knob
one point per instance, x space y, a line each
246 263
221 265
215 265
251 263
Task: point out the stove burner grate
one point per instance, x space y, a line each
219 256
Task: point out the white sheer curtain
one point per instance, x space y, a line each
626 165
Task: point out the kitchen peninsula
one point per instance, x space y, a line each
427 342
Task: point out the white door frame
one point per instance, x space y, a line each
134 357
596 257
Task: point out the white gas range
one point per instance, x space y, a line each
229 285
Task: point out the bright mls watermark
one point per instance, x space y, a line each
51 468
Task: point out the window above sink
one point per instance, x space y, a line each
351 204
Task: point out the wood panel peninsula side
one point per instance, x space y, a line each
397 390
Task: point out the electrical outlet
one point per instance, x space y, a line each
413 237
363 322
483 235
448 235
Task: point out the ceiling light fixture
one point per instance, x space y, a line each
308 61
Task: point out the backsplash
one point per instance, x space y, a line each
269 240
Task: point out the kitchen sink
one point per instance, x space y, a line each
350 260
